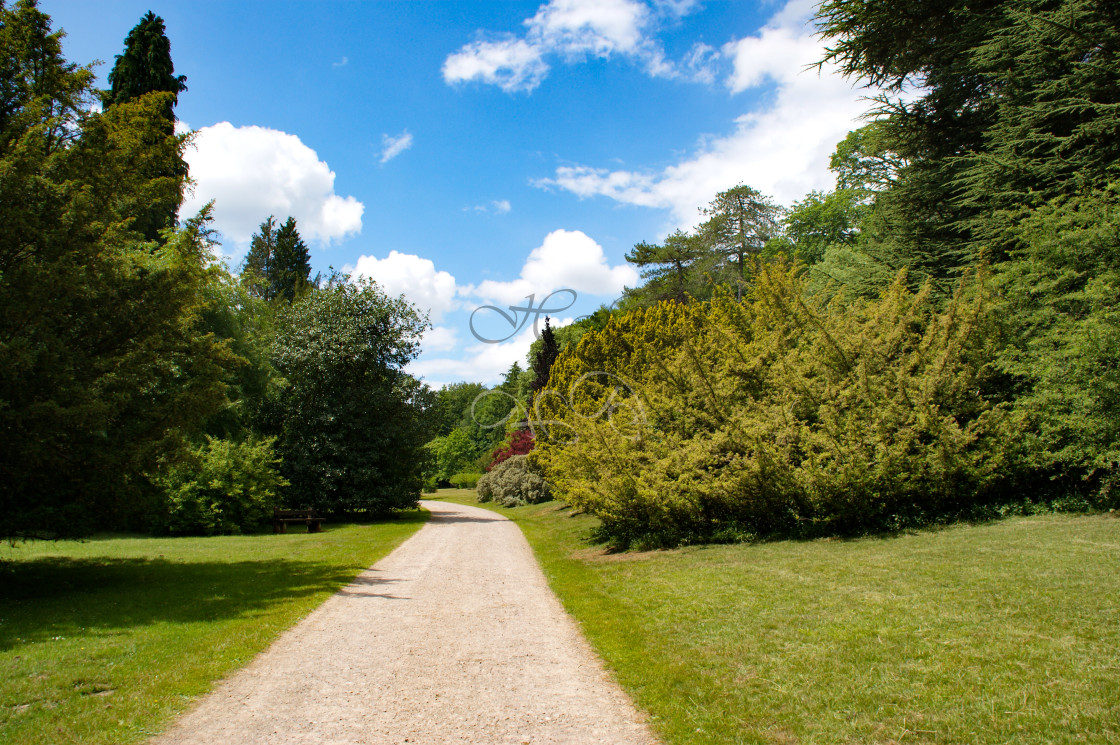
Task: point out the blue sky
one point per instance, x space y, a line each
472 153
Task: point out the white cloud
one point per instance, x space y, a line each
574 30
440 339
497 206
596 27
254 172
567 259
781 149
341 63
415 278
391 147
485 363
511 64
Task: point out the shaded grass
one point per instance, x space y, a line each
104 641
1004 632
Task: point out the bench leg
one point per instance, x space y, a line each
314 526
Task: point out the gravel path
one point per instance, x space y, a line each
455 637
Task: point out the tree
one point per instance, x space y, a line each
673 271
145 68
257 270
543 359
291 264
102 360
278 264
740 222
353 423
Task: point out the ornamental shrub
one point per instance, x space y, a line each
514 482
221 487
519 442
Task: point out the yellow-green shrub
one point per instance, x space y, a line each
779 415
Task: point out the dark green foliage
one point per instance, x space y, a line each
220 487
278 264
1063 300
353 423
675 270
740 222
103 360
514 482
145 66
543 358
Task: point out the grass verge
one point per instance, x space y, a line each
104 641
1004 632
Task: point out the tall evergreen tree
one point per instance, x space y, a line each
257 271
290 271
542 361
145 68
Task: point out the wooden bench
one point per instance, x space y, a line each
281 518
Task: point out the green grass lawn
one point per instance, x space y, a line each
104 641
1007 632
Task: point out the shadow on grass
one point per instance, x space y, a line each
59 596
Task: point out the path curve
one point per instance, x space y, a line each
455 637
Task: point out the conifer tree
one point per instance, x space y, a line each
256 272
145 68
542 361
290 268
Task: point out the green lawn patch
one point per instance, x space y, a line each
104 641
1004 632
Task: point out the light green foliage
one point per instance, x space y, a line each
513 482
465 480
353 423
818 221
452 454
221 487
780 415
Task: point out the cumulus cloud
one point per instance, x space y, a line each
575 30
253 172
391 147
414 277
782 148
567 259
